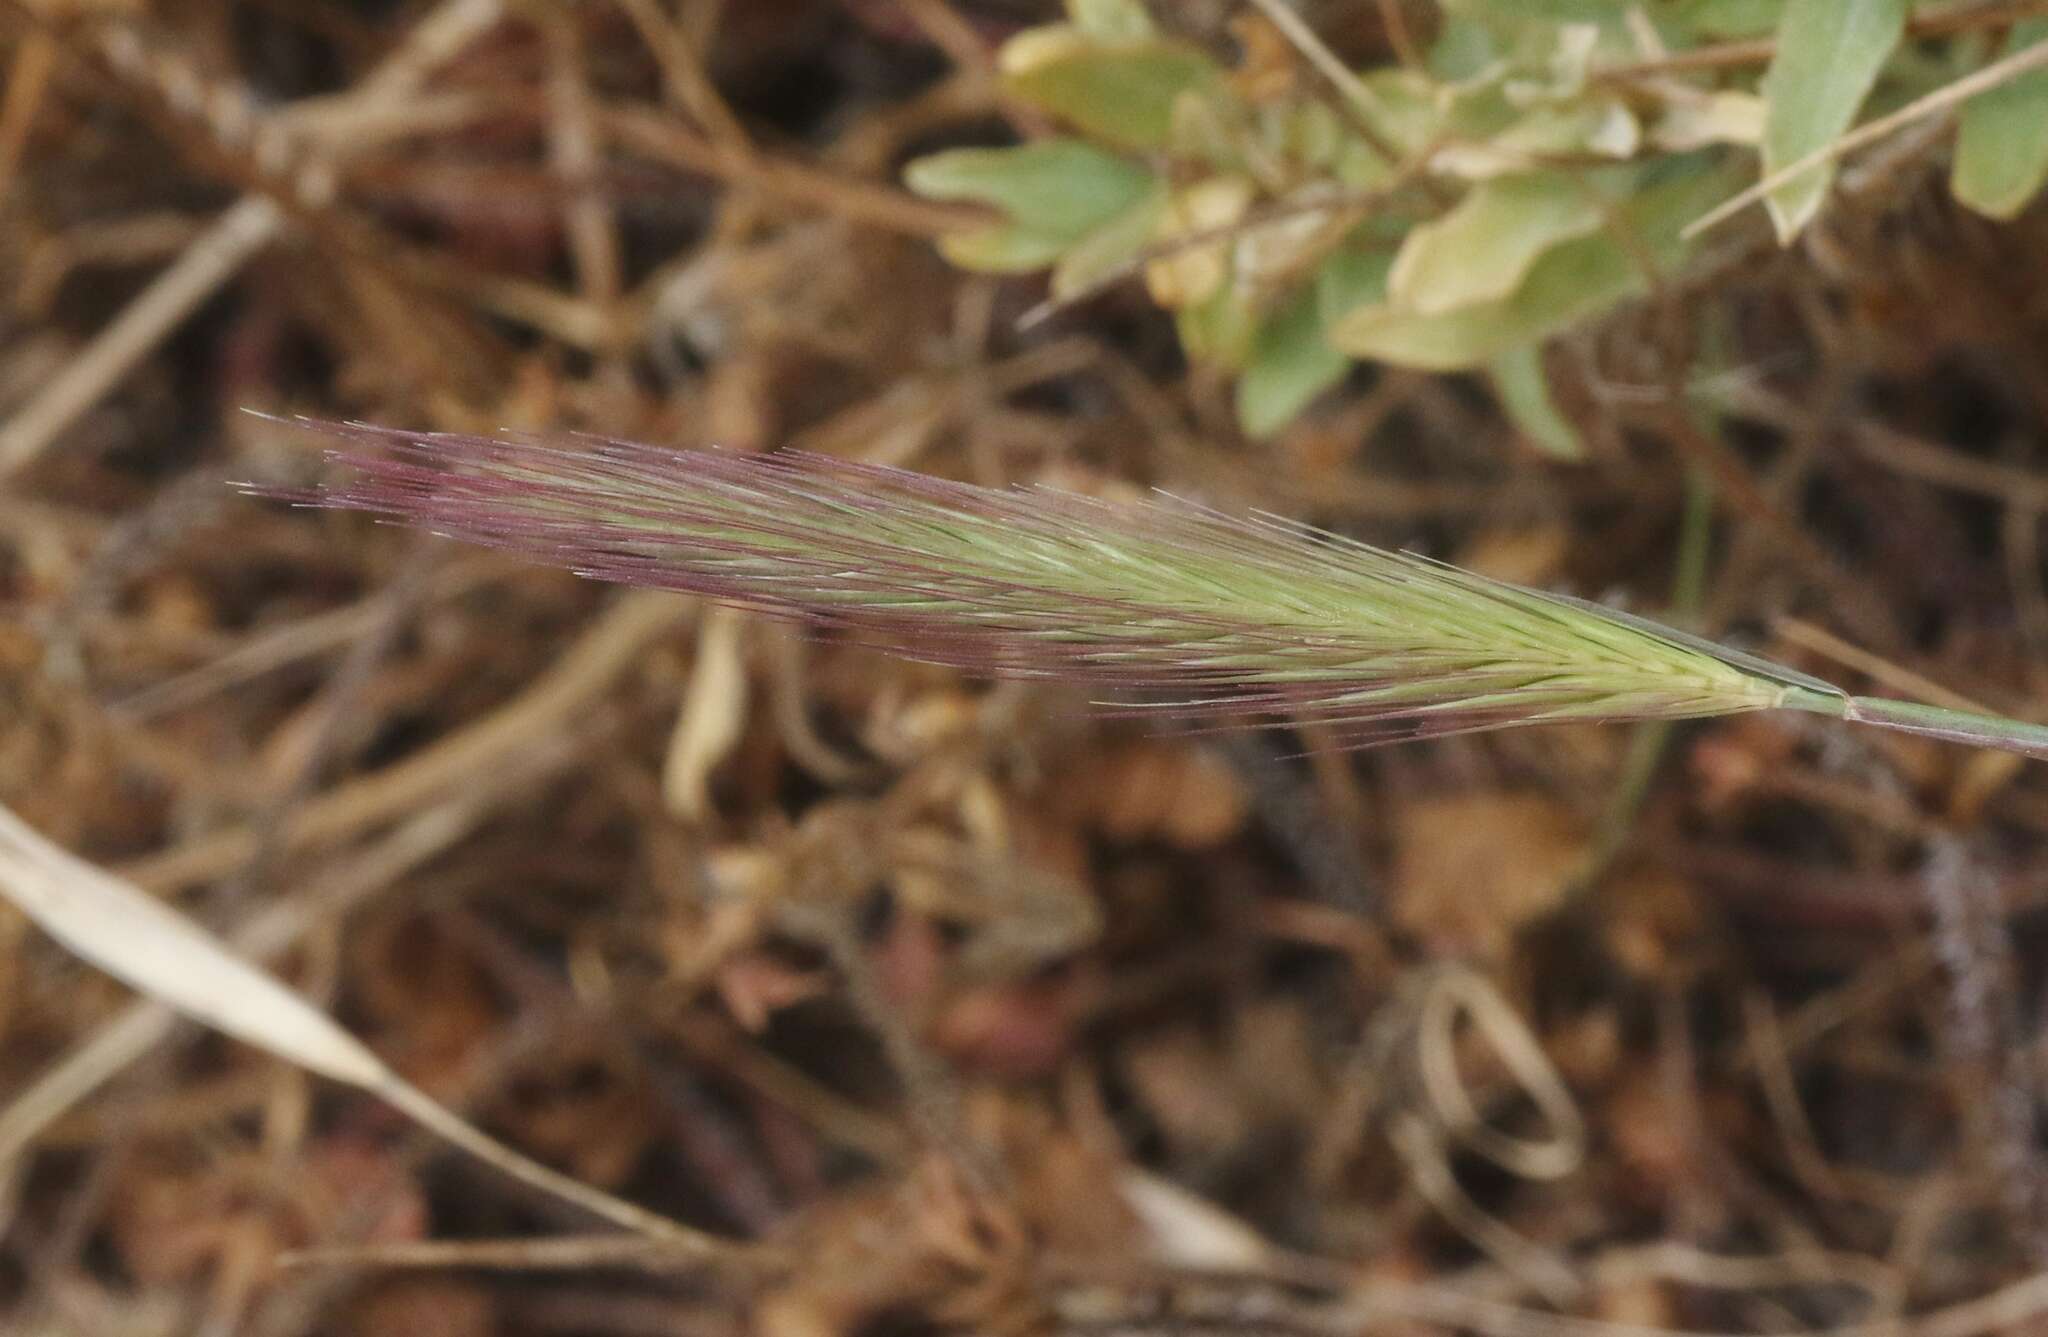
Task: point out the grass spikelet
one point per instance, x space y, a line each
1169 606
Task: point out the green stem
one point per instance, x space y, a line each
1955 726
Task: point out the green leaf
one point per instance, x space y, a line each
1291 363
1060 187
1524 390
1100 254
1211 130
1315 134
1121 93
1483 248
1002 250
1828 58
1463 50
1219 329
1731 18
1548 11
1600 126
1054 193
1540 46
2002 145
1409 110
1351 278
1572 282
1111 20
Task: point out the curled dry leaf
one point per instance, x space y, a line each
713 716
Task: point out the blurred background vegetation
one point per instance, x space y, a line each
1002 1017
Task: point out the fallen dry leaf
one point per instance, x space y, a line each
1472 868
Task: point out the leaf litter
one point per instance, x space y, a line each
1213 1067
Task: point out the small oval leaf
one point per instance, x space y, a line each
1571 282
1828 58
1120 93
1100 255
1483 248
1055 187
1291 363
1524 389
2002 144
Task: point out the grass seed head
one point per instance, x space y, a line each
1173 607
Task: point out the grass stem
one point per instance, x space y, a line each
1956 726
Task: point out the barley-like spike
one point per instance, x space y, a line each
1232 620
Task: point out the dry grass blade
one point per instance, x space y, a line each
157 951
